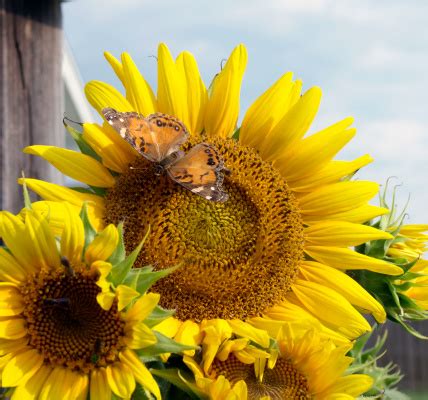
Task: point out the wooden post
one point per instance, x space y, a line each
30 91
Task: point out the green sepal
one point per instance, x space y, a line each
119 253
147 277
84 147
181 380
98 191
140 393
393 316
157 316
164 345
121 270
81 189
89 230
27 200
235 135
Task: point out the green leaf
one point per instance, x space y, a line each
179 379
147 277
119 253
84 147
90 232
120 271
164 345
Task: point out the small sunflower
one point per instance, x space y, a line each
403 296
279 248
411 244
303 366
64 332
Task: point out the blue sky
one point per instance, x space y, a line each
369 57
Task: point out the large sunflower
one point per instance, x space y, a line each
64 333
279 248
302 366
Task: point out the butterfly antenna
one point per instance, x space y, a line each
222 63
153 56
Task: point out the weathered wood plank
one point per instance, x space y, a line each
30 91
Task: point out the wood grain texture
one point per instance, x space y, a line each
30 90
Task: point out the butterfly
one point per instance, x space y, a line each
158 138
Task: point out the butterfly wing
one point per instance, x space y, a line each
155 137
201 171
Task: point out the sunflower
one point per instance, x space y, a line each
304 366
65 333
279 248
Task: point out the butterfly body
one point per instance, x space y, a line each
158 138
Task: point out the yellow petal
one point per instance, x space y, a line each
172 95
317 298
53 212
353 385
342 234
245 330
45 249
53 192
80 387
105 300
223 105
103 245
115 152
75 165
142 308
101 95
357 215
230 346
17 240
338 197
30 389
141 373
99 388
125 295
330 173
13 328
139 335
343 258
292 126
61 384
138 91
73 235
311 154
189 334
168 327
21 368
115 64
10 269
12 346
11 300
265 112
196 92
344 285
121 379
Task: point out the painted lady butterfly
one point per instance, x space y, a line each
158 138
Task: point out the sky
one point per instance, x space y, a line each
369 57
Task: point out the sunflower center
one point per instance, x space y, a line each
237 258
67 325
281 382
